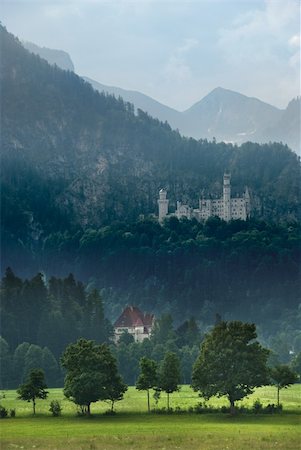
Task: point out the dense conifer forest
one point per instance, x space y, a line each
183 269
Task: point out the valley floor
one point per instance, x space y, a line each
130 429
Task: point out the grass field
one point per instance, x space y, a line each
132 428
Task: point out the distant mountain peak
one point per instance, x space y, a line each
225 114
59 57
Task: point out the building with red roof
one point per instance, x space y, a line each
135 322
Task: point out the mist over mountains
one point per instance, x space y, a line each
58 57
222 114
100 161
81 172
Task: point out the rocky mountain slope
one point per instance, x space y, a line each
74 157
230 116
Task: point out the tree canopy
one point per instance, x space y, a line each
283 376
169 374
34 388
148 377
230 362
91 374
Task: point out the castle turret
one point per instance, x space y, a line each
227 197
247 202
162 204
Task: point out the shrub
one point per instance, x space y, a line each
12 413
109 412
179 410
257 406
200 408
203 408
55 408
272 408
3 412
225 409
163 410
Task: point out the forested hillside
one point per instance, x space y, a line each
73 156
80 180
41 316
240 270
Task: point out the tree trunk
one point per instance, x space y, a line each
88 409
112 406
232 406
148 405
34 406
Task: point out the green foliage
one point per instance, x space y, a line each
3 412
55 408
126 338
148 378
257 406
230 362
34 388
5 364
246 271
163 329
283 376
63 311
91 374
169 374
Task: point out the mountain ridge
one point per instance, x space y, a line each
96 161
222 114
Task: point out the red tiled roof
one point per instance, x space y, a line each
148 319
133 317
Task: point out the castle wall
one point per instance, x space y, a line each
226 208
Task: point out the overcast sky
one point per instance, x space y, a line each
174 51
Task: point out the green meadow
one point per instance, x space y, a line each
133 428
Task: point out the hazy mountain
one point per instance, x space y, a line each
287 129
229 116
222 114
59 57
232 117
142 101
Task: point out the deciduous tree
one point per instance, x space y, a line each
169 374
230 362
148 377
282 377
34 388
91 374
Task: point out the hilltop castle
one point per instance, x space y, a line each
225 207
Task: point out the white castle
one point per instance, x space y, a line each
226 208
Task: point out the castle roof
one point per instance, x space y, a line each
132 316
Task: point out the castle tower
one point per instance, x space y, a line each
247 202
227 197
162 204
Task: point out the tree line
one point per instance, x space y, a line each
230 268
230 363
235 270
